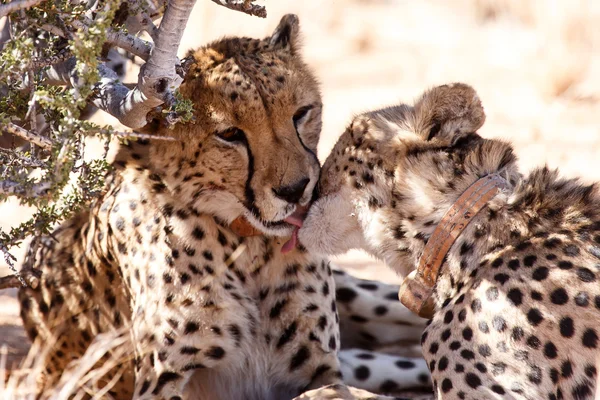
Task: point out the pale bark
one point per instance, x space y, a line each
127 42
245 6
23 278
11 188
17 5
31 137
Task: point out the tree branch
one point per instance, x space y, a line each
34 138
245 6
156 81
148 25
29 277
159 77
13 157
127 42
12 188
17 5
143 136
39 63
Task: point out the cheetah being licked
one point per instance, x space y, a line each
516 304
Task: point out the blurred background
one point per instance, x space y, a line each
534 63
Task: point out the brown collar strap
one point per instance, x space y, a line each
416 290
241 227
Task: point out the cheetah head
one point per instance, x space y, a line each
251 150
394 172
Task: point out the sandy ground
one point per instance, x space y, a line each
534 63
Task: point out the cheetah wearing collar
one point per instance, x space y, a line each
517 299
202 311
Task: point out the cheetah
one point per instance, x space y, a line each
515 310
181 257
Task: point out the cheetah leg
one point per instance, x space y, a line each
372 317
384 373
158 373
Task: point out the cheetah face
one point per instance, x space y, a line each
369 193
258 120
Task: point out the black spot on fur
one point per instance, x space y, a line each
534 316
388 386
589 338
362 373
472 380
345 295
215 353
540 273
198 233
163 379
287 335
566 326
559 296
191 327
301 356
515 296
585 275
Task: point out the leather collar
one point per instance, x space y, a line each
417 289
241 227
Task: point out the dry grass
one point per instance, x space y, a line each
535 64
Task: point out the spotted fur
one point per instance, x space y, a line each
518 297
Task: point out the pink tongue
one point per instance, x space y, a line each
291 244
295 219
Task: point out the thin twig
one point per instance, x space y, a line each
127 42
20 159
245 6
17 5
148 25
12 188
135 135
38 63
32 111
26 277
31 137
53 29
15 279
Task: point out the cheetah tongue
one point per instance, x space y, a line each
296 219
290 244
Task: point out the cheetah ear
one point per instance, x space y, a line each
447 113
285 36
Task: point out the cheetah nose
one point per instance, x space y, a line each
292 193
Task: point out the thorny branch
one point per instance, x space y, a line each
26 277
17 5
7 154
18 189
245 6
34 138
127 42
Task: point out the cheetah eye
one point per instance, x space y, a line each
300 114
231 135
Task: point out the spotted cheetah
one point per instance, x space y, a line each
169 259
517 300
